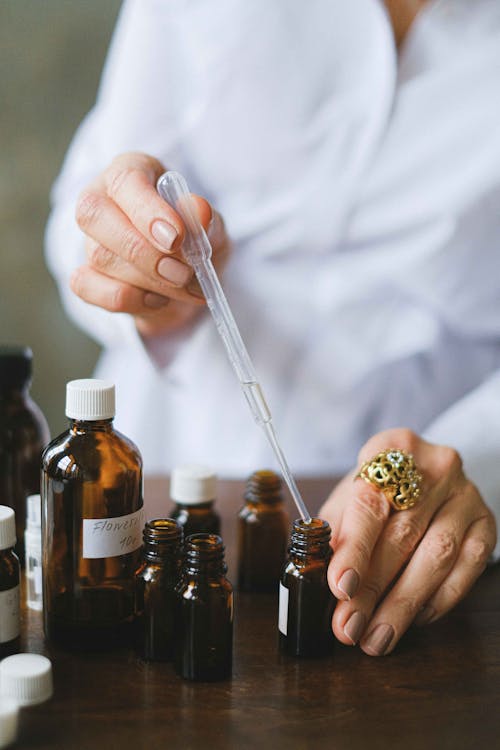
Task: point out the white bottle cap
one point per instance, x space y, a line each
9 717
33 511
90 399
26 679
7 527
193 484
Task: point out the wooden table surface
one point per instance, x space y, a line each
439 689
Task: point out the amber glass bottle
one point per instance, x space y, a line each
203 643
92 523
9 584
306 602
193 488
23 435
155 583
262 533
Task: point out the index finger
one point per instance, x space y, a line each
130 181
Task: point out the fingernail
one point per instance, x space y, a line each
378 641
348 583
174 271
425 615
155 301
355 626
165 234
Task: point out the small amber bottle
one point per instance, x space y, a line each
262 533
92 521
23 435
155 583
203 643
306 603
193 488
9 584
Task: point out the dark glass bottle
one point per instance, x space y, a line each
155 583
23 435
262 533
306 602
92 523
193 488
203 643
10 574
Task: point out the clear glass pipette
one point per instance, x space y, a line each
197 251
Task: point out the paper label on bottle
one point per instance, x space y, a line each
112 537
283 610
9 614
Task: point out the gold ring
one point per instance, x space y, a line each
395 473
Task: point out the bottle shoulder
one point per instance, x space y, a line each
22 417
71 451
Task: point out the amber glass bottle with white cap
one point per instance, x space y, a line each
193 488
92 523
9 584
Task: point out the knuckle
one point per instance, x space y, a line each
404 535
477 551
118 175
132 246
373 503
88 208
76 282
441 547
408 606
99 257
448 460
118 300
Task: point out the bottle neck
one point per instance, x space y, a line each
80 426
162 540
263 487
9 392
310 539
204 556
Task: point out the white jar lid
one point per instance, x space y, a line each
90 399
26 679
9 718
192 484
7 527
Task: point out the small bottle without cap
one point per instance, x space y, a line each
155 582
203 641
193 488
263 525
23 435
92 521
33 551
10 576
306 603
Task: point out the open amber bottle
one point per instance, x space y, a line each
306 603
155 583
91 523
203 643
262 533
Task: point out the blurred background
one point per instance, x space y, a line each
51 55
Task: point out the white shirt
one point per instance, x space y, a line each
362 195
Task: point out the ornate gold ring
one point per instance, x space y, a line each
395 473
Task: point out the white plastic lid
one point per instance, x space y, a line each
7 527
26 679
90 399
33 511
9 717
193 484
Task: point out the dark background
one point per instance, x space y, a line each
51 55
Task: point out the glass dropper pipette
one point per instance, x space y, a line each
197 251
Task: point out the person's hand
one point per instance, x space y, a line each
394 568
133 246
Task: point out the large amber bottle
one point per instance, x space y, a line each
92 522
23 435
